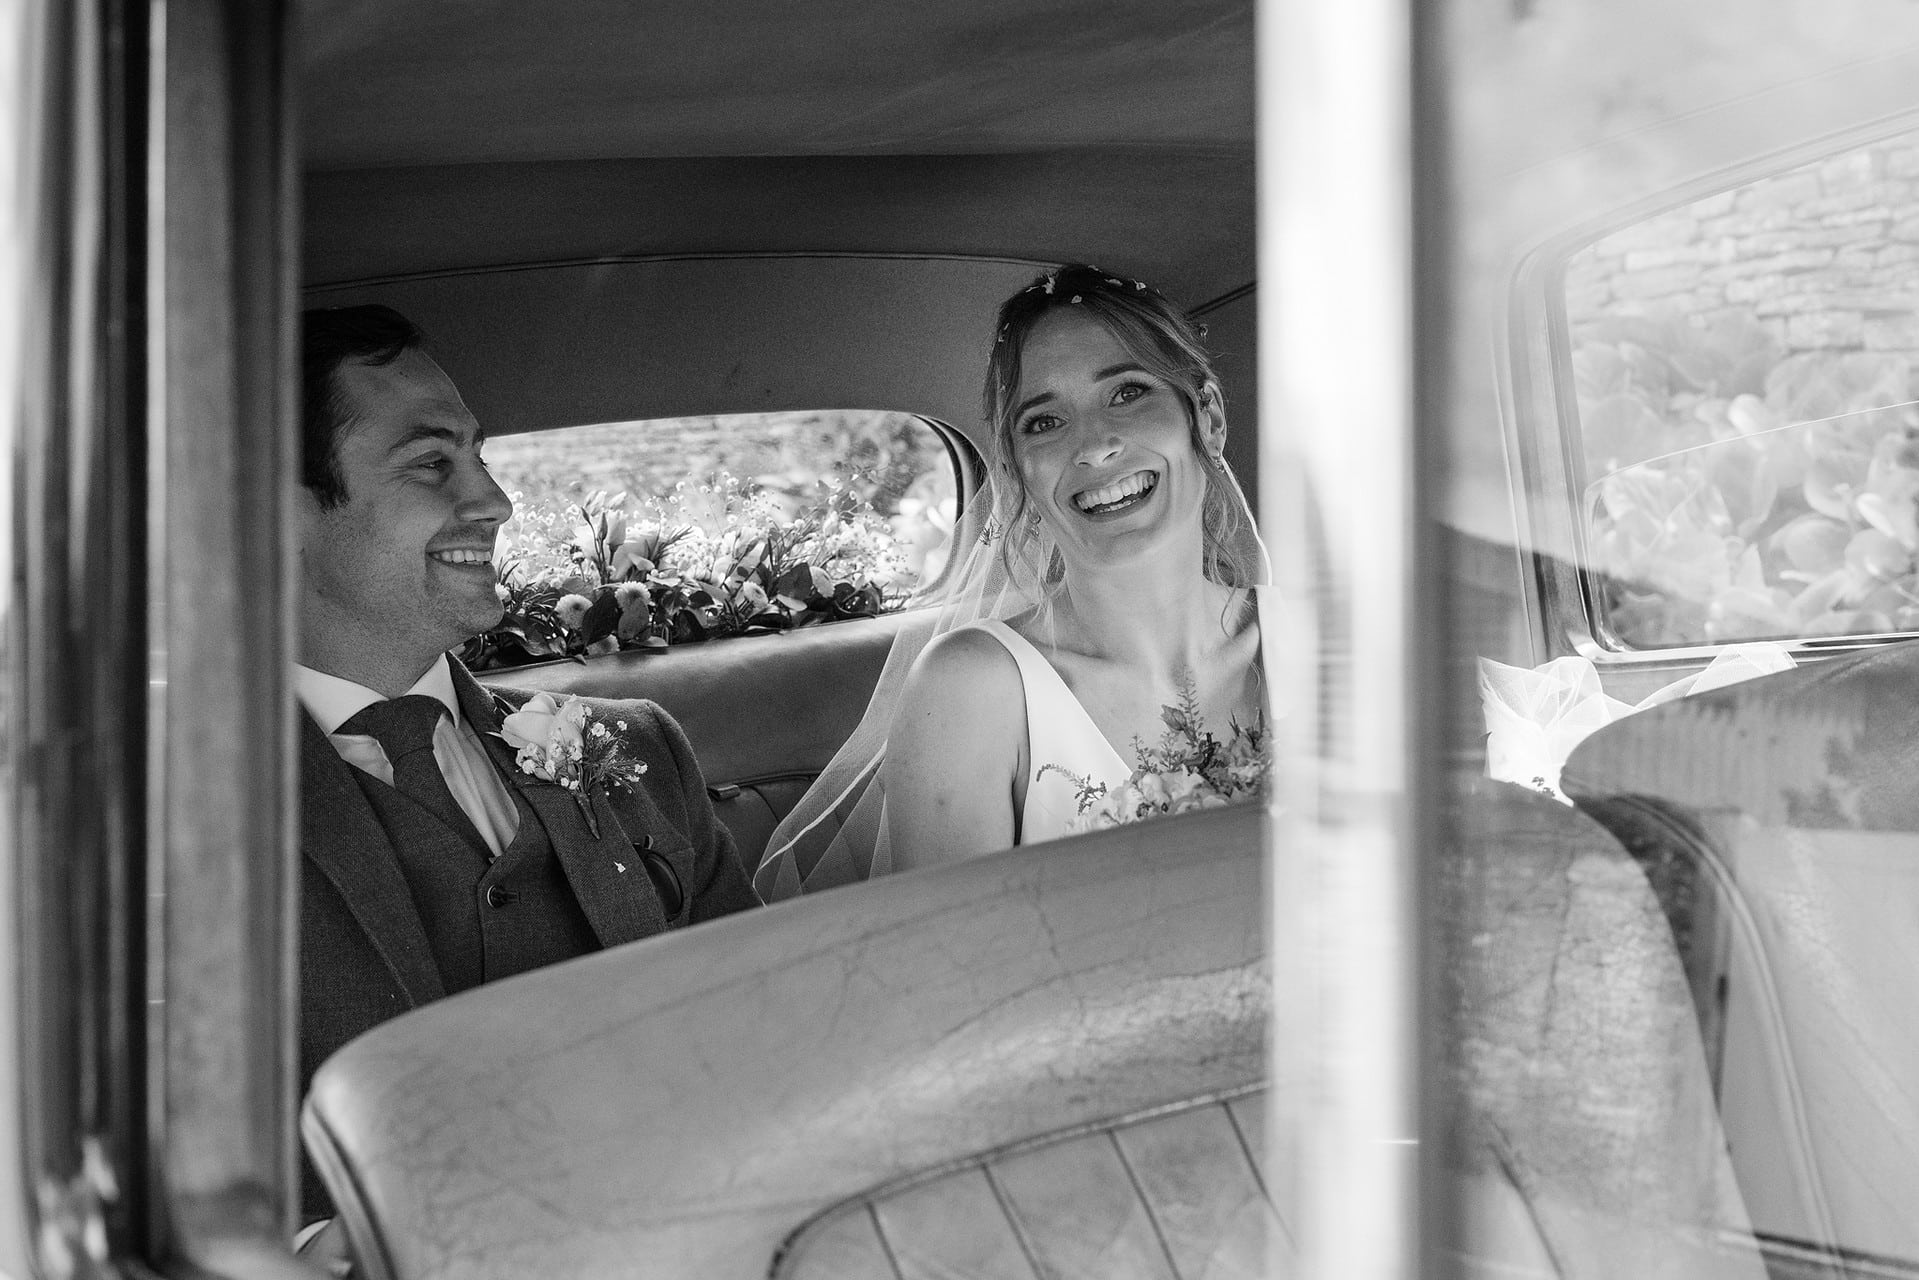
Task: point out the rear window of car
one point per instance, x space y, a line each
649 534
1744 377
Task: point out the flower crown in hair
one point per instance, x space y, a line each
1049 282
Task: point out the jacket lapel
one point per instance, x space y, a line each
606 875
339 833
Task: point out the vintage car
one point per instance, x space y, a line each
1581 378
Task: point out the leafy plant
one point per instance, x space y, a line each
1743 493
719 559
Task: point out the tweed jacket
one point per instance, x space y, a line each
364 955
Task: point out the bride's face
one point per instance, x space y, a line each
1104 447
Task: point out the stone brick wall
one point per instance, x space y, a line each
1825 256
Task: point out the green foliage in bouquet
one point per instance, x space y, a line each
719 560
1742 493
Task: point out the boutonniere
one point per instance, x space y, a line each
562 743
1189 769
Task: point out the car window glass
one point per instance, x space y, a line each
1743 371
732 524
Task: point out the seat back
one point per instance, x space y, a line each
1174 1194
680 1105
1780 819
1578 1131
764 713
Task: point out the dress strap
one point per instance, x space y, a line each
1045 687
1034 670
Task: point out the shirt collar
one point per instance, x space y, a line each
333 701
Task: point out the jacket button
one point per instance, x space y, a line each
499 895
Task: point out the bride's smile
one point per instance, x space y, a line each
1121 495
1104 447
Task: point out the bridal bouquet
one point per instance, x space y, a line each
1189 768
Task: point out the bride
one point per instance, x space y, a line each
1113 573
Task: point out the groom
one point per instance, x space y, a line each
432 863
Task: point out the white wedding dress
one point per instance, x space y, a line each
837 833
1058 732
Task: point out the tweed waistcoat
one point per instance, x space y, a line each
484 921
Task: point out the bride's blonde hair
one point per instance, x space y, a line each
1168 344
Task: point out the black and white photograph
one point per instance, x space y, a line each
1021 640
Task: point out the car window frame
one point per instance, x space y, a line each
1542 423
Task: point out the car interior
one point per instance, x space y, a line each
600 224
792 249
1612 520
703 250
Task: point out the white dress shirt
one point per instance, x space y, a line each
469 775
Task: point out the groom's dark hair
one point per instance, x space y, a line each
329 337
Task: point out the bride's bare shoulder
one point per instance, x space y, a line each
970 657
963 700
965 681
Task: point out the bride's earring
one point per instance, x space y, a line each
1215 449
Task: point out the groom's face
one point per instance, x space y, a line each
402 570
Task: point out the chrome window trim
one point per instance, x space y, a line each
224 437
75 1129
1340 165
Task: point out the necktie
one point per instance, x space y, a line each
404 729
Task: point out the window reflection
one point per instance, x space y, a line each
1670 1038
1743 371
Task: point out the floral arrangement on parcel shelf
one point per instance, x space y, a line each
595 579
1189 768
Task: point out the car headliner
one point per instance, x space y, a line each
446 136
